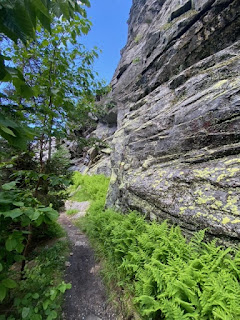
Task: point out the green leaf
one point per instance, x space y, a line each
36 317
53 294
46 304
18 204
39 5
68 286
18 257
9 186
25 312
35 296
19 247
45 43
3 292
86 2
34 215
53 314
1 267
10 244
64 286
13 213
26 91
8 131
9 283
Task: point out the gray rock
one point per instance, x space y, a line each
103 166
92 317
103 131
93 152
176 150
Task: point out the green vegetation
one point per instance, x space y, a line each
167 276
22 23
71 212
137 38
93 188
39 296
47 88
136 60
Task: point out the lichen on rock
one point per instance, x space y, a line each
176 152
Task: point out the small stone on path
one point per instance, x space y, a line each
93 317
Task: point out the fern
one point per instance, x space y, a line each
170 278
148 305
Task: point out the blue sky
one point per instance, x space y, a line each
109 33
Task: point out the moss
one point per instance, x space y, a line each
136 60
203 173
232 171
191 207
204 200
199 192
235 221
182 210
147 163
231 205
137 38
221 177
234 84
217 205
231 161
234 210
161 173
225 220
220 83
221 64
184 16
166 26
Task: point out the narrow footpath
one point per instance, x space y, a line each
87 299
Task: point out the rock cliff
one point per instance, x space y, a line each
177 91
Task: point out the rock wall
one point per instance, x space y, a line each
177 90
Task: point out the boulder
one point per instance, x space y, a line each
176 152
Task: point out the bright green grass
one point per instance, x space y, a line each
93 188
71 212
169 277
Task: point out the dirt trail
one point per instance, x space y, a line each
87 299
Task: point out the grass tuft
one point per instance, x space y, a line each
71 212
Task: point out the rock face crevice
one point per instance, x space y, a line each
177 91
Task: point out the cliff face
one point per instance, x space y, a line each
177 90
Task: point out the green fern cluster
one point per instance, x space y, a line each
169 277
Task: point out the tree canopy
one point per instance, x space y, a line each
51 28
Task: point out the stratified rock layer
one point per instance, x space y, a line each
177 89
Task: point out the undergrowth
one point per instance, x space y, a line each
39 295
170 278
71 212
90 188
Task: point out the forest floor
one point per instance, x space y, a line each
87 299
